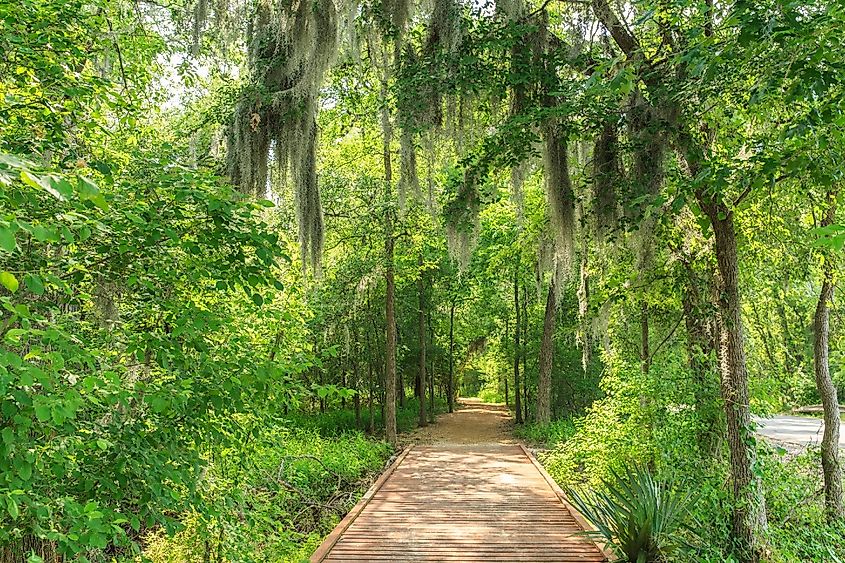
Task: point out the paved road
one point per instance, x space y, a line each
802 430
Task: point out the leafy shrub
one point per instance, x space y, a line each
638 515
121 364
547 435
490 394
275 498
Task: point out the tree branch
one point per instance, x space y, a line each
623 38
665 340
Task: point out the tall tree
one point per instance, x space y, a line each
389 262
831 466
517 348
421 339
544 383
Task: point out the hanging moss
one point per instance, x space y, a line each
519 173
420 99
291 44
510 9
408 179
444 29
395 13
461 215
200 19
309 210
561 197
646 177
606 176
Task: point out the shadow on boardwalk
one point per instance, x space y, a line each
463 490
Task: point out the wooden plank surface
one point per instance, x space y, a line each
462 503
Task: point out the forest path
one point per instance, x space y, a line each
473 422
463 491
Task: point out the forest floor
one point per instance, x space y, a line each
473 422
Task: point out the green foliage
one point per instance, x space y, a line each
548 435
162 359
337 421
637 514
277 498
118 365
489 395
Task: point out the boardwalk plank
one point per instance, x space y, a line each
462 503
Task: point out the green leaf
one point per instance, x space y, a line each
25 471
257 299
88 191
38 182
59 186
14 511
9 281
34 283
7 239
42 411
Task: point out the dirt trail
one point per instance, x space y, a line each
473 422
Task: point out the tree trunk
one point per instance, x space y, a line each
370 360
421 341
525 351
516 347
430 366
343 383
701 345
389 404
821 327
749 507
547 351
451 384
507 337
400 388
356 374
645 353
430 397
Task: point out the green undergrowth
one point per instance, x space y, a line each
545 436
338 421
276 498
792 483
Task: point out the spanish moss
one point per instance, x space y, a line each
291 45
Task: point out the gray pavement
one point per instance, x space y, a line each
803 430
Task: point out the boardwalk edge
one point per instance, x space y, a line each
350 517
604 548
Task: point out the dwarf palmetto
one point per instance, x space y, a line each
640 517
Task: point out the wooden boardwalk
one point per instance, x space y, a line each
462 503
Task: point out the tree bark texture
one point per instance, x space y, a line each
516 349
749 510
389 405
831 466
421 337
547 351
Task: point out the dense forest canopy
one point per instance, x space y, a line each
245 243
